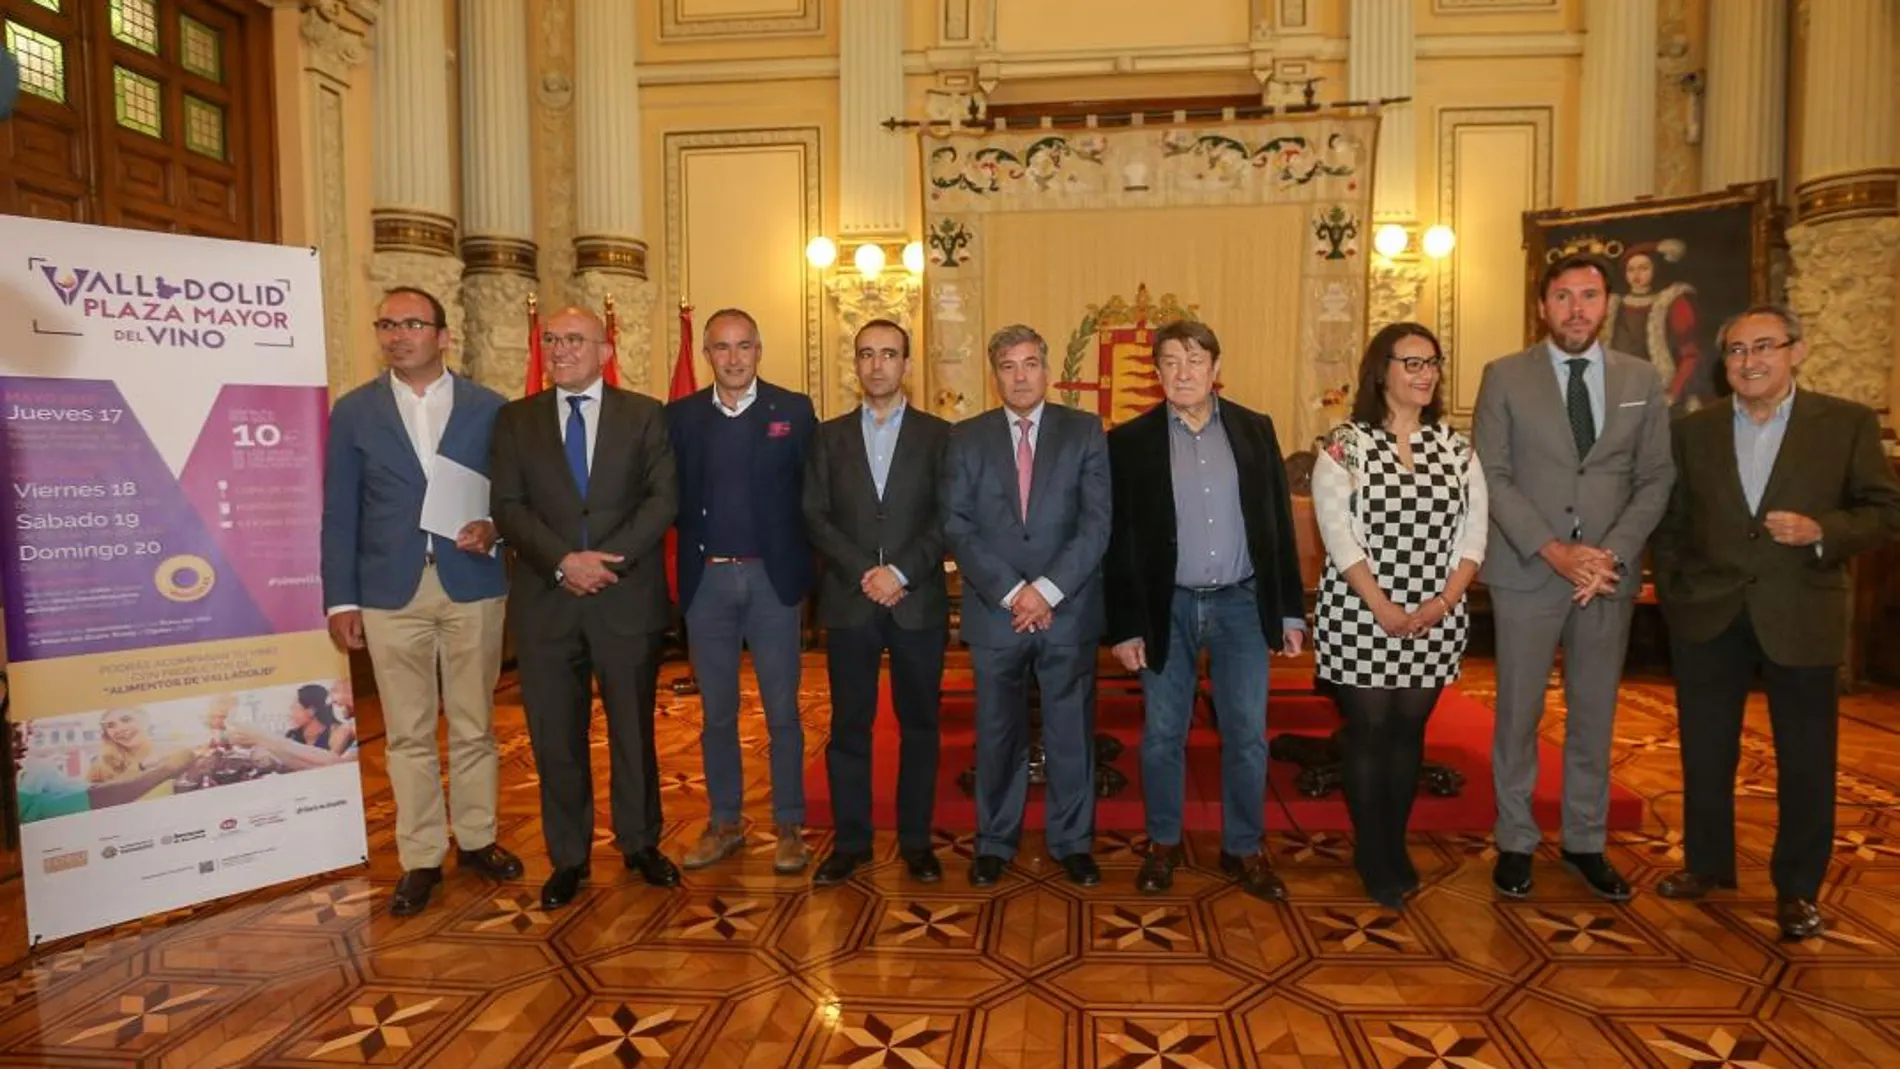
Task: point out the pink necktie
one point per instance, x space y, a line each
1025 464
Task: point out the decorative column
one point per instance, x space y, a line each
333 49
1379 62
610 259
497 192
1616 158
1845 243
1745 103
414 217
871 187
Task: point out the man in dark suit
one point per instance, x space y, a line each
1774 493
1574 440
744 570
584 490
1203 556
1026 511
417 600
871 510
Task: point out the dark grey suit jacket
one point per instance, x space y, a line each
631 498
1540 489
1070 508
854 531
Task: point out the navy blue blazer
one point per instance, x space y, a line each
373 542
778 469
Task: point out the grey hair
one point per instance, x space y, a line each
1013 335
1789 322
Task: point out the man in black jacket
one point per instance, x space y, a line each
870 502
1202 556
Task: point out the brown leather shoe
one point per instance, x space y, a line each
413 891
1686 886
1157 872
1798 917
792 854
1255 874
493 861
717 843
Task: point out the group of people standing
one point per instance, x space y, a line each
1170 536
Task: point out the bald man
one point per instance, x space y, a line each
583 488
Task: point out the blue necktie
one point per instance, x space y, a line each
576 446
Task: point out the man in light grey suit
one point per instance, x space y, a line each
1026 508
1575 446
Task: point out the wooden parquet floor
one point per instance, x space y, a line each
742 968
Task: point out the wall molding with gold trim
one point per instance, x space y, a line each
677 22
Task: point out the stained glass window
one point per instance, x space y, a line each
42 62
50 5
200 46
136 23
204 127
136 102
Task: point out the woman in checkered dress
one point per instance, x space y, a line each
1400 501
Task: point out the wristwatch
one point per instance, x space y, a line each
559 577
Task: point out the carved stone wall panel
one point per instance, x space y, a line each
1842 286
440 275
1395 288
633 317
495 331
855 302
335 44
1678 153
553 140
686 20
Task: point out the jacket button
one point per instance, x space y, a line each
1567 508
1753 535
1579 471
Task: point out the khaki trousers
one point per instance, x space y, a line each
405 646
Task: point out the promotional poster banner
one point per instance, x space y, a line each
182 727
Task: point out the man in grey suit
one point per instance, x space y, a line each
1026 509
427 608
1575 445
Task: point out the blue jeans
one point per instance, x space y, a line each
1226 623
735 606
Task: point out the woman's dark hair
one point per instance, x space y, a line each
1368 400
316 698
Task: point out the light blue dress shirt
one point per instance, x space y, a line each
1592 377
880 442
1756 447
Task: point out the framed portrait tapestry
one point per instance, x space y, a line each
1678 267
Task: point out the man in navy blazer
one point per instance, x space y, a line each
1026 508
415 599
745 567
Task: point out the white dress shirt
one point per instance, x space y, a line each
425 415
1050 593
750 395
590 415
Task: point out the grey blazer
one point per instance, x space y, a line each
1541 490
1070 507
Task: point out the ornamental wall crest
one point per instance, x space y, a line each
1120 335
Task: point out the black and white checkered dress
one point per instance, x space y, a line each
1409 524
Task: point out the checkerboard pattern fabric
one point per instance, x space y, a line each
1407 522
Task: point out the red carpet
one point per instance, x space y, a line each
1459 735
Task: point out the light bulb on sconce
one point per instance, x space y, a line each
822 252
914 257
1439 241
869 260
1390 240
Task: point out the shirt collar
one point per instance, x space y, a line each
1782 408
592 392
1034 417
1594 354
896 417
751 394
442 384
1213 415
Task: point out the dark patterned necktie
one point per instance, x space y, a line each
1583 427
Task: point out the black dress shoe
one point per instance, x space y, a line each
1604 881
923 865
1254 872
1687 886
1798 917
1081 869
986 870
1512 874
838 867
1157 871
492 861
563 886
654 867
413 890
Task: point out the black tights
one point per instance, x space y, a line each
1384 745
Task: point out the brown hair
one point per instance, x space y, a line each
1185 331
1368 400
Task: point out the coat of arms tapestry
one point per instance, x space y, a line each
1096 237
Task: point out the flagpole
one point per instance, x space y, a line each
687 684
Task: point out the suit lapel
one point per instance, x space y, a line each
854 444
1788 457
1001 443
1042 465
1543 382
612 442
544 430
461 402
389 417
1719 446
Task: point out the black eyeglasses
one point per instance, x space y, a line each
1762 348
413 326
1415 364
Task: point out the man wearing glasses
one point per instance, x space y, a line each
1774 493
418 601
584 490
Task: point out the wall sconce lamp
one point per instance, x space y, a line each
1439 241
1391 240
870 259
